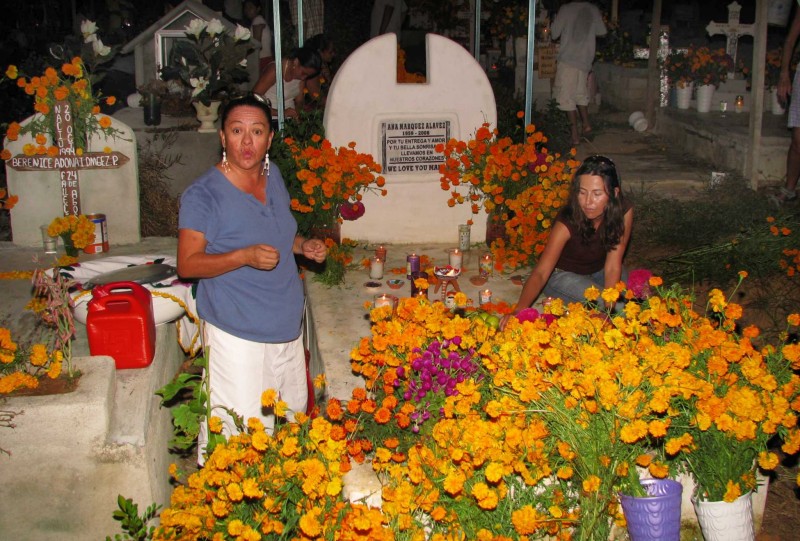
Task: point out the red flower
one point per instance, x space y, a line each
352 211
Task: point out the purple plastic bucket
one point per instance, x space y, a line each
656 517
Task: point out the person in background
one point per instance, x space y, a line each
317 85
295 69
587 241
387 16
237 235
577 25
261 32
786 88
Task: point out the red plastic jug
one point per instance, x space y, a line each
120 324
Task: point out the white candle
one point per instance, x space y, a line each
455 258
486 296
485 265
383 300
376 268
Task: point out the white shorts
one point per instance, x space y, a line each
240 370
570 87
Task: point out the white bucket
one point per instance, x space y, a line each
640 125
778 12
635 116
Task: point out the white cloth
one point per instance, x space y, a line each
239 371
395 22
577 24
291 90
266 36
171 296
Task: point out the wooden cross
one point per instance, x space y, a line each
732 29
67 162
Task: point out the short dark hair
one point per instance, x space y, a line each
248 100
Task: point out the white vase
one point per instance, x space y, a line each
775 104
705 93
683 95
723 521
207 115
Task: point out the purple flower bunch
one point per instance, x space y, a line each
434 374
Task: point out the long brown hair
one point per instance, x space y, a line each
613 225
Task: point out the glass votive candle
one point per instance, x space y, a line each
415 291
739 104
49 243
376 268
486 296
463 237
456 256
485 265
380 251
384 299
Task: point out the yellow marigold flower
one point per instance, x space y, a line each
658 470
732 492
494 472
105 122
658 427
525 520
793 319
281 408
268 398
454 482
235 527
610 295
592 293
564 472
234 491
643 460
12 72
634 431
334 487
251 489
768 460
655 281
39 356
215 425
591 484
309 523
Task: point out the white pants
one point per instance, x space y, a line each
240 370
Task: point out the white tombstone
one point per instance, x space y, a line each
105 188
399 124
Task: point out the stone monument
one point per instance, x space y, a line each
400 125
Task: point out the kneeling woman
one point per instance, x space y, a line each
588 239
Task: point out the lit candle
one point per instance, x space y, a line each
455 258
412 265
486 296
380 251
485 265
739 104
383 300
376 268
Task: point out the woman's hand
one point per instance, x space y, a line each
504 321
314 249
262 257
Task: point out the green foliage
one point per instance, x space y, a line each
134 526
615 47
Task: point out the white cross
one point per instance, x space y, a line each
732 29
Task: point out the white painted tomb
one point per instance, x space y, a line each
399 125
111 190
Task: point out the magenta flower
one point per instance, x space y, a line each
352 211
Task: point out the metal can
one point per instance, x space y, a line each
100 234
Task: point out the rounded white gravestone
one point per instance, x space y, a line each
400 125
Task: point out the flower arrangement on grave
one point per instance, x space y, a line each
76 232
7 201
616 46
709 67
21 366
262 486
678 67
507 18
522 185
330 182
212 61
69 81
736 398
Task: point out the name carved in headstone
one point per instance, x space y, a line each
409 146
67 162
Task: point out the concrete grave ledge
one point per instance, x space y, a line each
108 437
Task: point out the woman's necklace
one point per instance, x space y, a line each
285 69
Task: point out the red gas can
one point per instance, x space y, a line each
120 324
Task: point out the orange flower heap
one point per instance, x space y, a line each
520 184
329 177
70 83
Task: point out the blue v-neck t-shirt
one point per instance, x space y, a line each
253 304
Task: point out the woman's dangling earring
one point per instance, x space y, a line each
225 165
265 171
